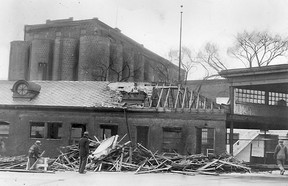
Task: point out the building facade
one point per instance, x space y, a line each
85 50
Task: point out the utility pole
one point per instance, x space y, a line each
180 47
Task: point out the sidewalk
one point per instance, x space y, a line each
269 175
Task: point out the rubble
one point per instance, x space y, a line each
110 155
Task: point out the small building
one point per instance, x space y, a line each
168 119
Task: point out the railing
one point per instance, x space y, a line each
244 140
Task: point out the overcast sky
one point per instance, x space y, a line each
153 23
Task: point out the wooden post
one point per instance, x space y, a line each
231 138
250 152
160 97
167 97
191 100
197 102
127 125
177 97
184 97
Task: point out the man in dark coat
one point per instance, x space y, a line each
83 152
33 155
280 154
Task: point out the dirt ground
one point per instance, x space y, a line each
130 179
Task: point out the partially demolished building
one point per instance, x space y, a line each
165 119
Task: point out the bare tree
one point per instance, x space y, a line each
210 60
258 48
188 59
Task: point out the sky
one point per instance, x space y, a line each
153 23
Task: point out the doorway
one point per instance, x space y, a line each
205 138
142 135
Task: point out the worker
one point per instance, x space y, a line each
280 154
33 155
83 152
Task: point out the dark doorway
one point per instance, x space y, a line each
142 135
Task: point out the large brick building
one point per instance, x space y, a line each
85 50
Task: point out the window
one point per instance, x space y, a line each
276 98
108 130
37 129
54 130
4 129
249 96
171 139
49 130
204 136
77 130
42 71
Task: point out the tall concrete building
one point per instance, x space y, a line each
85 50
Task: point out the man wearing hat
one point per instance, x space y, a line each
33 155
280 155
83 151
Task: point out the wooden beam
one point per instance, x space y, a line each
177 97
159 99
167 96
184 97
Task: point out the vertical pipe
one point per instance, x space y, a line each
179 73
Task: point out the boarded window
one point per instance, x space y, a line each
54 130
171 139
4 129
37 129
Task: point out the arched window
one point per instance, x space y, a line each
4 129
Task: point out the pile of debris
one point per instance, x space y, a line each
110 155
15 162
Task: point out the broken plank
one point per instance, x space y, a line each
154 170
183 172
207 165
235 165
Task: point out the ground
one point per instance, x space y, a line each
130 179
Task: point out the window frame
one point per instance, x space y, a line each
46 134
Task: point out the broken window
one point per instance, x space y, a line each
4 129
54 130
171 139
77 131
108 130
37 129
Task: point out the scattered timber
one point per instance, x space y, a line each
112 155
